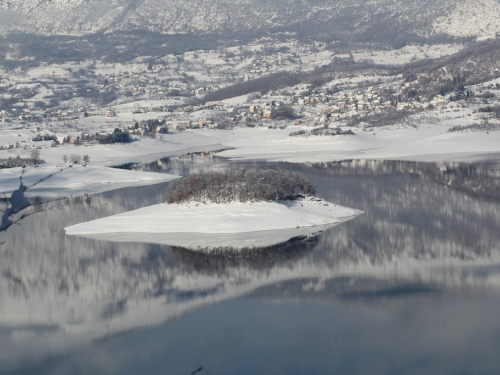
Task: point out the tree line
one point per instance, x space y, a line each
240 186
118 136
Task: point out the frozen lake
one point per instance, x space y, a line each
410 286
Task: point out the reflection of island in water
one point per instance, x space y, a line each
220 259
419 237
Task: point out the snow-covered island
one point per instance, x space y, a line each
213 209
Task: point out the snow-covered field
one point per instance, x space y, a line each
155 223
407 54
77 180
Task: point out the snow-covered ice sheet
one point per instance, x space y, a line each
156 223
76 180
207 242
432 144
428 142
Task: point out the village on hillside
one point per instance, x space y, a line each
98 102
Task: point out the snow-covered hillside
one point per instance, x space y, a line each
471 18
379 17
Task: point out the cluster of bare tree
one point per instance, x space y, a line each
484 126
386 118
240 186
44 137
20 162
76 159
322 132
495 109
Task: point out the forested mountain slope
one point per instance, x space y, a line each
354 18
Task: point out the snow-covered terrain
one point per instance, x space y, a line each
425 143
77 180
154 223
422 143
406 54
471 18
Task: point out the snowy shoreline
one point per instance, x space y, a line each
426 144
77 180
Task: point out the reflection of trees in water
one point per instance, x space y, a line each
182 165
219 260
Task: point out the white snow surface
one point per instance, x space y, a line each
425 143
215 218
77 180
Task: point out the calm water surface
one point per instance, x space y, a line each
412 286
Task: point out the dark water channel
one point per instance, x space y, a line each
412 286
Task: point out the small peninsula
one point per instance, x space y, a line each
235 203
